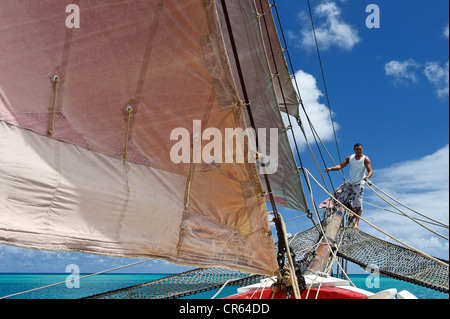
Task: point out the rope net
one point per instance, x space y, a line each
183 285
355 246
392 260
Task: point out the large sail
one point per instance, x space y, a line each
89 118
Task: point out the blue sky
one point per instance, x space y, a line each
388 89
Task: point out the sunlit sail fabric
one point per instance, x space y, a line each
120 84
284 88
264 93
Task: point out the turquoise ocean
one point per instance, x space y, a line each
12 283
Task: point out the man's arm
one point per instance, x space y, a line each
338 167
368 167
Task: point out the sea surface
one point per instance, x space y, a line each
12 283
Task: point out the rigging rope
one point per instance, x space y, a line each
391 211
323 78
55 98
436 221
129 110
404 214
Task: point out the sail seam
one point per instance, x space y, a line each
148 51
52 202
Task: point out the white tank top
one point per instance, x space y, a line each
357 169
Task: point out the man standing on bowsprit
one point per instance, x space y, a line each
353 190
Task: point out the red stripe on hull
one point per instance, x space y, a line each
324 293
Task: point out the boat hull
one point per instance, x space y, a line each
313 293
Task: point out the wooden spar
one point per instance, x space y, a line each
323 252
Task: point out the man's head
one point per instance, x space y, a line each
358 149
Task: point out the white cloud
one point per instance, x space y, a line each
331 29
406 73
318 113
438 76
402 72
421 184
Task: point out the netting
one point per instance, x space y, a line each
183 285
353 245
392 260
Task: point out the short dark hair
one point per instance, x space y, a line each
356 145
